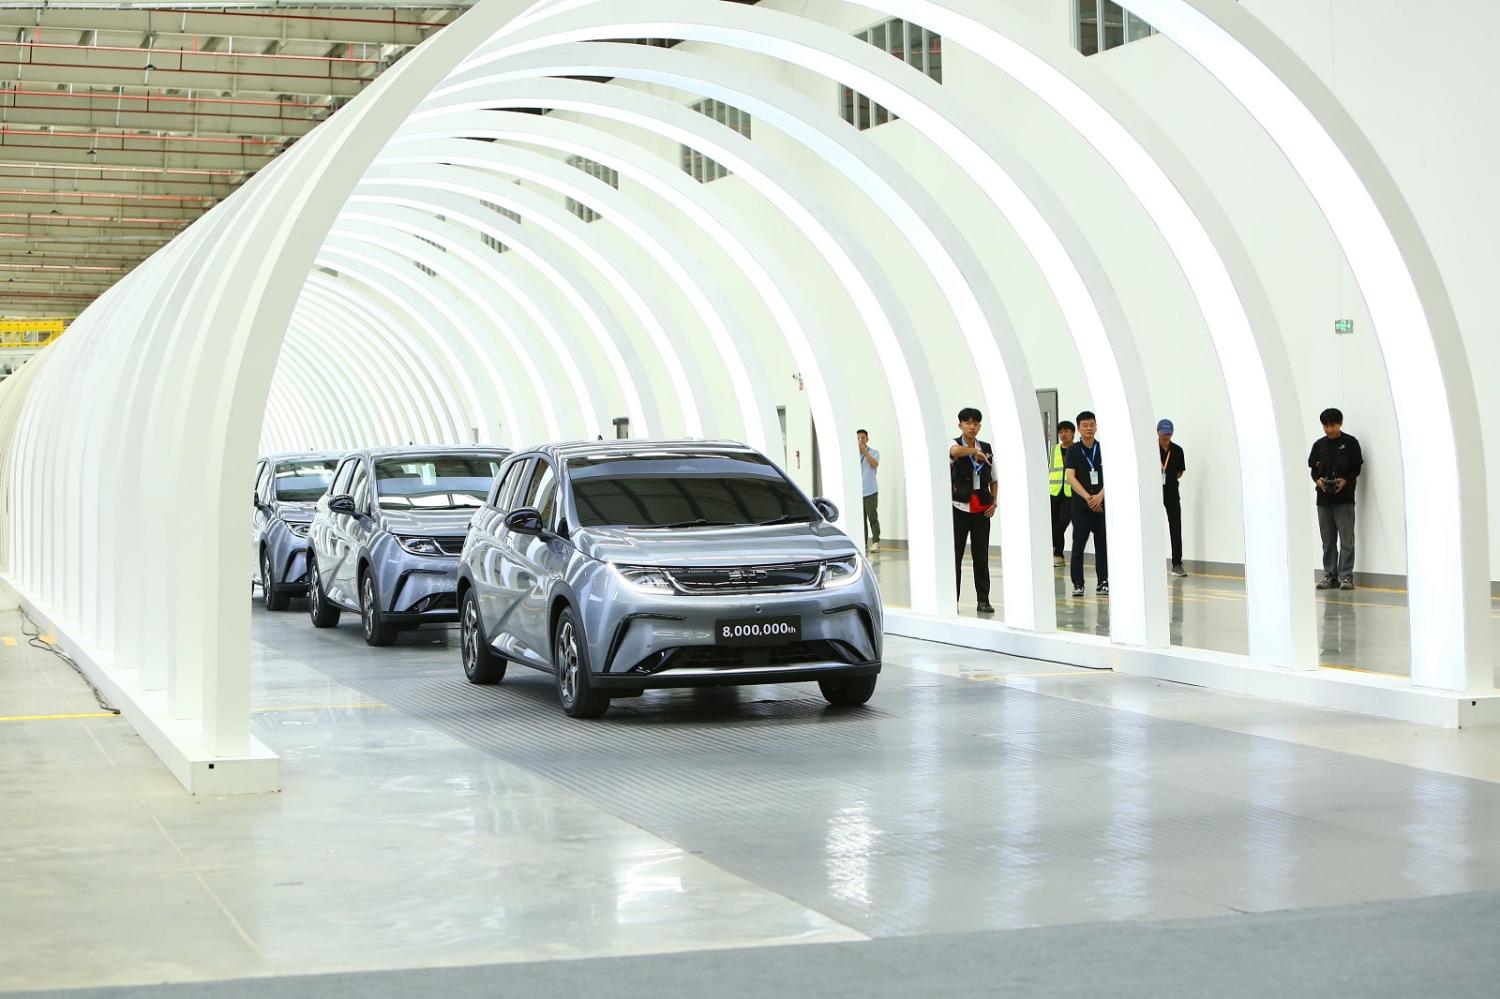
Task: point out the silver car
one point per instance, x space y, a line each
386 537
286 487
621 566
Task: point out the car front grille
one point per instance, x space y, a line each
711 657
748 578
450 546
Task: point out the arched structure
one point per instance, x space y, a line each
353 293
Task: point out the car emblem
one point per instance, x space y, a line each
747 575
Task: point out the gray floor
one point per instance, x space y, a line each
1366 629
428 823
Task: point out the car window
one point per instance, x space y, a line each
360 489
684 490
262 479
435 482
545 496
341 480
506 490
302 481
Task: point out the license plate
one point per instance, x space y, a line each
758 631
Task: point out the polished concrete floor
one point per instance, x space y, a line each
1363 629
426 823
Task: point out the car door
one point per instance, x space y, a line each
533 561
513 582
258 518
485 540
353 532
323 538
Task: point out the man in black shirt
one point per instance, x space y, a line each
970 473
1173 464
1336 461
1084 464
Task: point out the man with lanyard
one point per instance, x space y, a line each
1173 464
1084 464
1062 493
1336 461
970 468
869 461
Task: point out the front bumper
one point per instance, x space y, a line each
670 640
424 592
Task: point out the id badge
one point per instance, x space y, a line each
1094 476
1163 478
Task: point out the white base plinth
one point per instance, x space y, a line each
178 742
1367 693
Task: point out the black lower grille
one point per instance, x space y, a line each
450 546
736 657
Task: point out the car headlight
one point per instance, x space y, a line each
419 546
297 527
646 578
842 571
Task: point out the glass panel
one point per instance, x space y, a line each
880 115
935 56
914 45
685 491
1135 28
449 482
1114 25
862 112
302 481
897 46
1088 26
846 103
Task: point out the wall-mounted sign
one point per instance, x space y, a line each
1343 326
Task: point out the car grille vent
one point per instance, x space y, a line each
748 578
450 546
735 656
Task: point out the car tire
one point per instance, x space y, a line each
323 613
570 667
481 665
850 692
378 631
272 595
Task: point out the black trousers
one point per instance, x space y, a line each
1062 515
872 518
973 528
1086 522
1173 502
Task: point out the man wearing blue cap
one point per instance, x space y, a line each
1173 464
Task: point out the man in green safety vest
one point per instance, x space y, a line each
1061 491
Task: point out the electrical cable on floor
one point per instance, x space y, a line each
34 639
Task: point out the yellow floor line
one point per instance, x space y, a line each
1358 669
7 640
80 714
1081 671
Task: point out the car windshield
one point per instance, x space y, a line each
442 482
303 481
683 490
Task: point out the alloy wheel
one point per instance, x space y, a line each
469 637
265 579
567 662
367 605
314 591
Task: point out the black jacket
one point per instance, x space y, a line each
1336 459
961 475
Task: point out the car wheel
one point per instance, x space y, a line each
481 665
378 631
848 693
571 665
323 613
273 596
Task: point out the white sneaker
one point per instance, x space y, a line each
875 548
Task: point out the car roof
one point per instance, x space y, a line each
421 450
279 456
640 447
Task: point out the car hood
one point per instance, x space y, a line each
435 523
297 513
715 546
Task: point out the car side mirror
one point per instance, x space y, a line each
524 521
342 504
827 509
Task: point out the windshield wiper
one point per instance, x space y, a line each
791 518
700 522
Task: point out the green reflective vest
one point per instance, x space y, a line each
1058 482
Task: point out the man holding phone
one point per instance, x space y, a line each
1335 462
971 475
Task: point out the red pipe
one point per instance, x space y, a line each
183 114
109 196
181 69
123 138
164 99
181 53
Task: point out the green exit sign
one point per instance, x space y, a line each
1343 326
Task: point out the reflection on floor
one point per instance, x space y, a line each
427 822
1363 629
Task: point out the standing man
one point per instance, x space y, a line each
1084 464
1062 493
1173 464
1336 461
970 469
869 460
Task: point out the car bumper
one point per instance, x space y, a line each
732 676
425 593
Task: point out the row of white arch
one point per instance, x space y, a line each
129 451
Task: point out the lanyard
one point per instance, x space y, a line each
1091 459
972 460
1166 459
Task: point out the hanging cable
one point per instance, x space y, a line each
34 639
